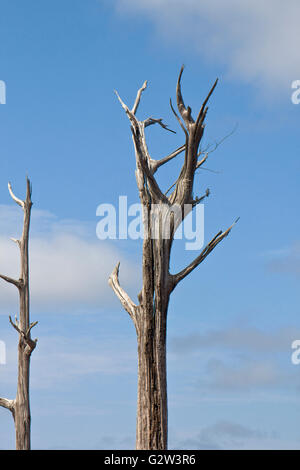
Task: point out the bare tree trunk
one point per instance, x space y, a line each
162 215
152 416
20 407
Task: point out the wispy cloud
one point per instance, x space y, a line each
69 267
247 339
241 359
59 360
247 375
253 40
226 434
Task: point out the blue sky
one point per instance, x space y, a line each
231 383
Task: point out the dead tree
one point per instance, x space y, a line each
20 406
150 314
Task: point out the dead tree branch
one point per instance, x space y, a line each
130 307
204 253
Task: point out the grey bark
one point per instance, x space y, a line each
20 406
150 315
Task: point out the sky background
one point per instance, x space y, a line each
231 382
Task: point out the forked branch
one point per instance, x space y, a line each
155 164
24 334
141 151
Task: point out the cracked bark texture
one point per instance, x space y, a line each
20 406
160 212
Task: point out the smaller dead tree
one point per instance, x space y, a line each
20 406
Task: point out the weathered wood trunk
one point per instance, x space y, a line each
22 416
152 414
162 216
152 408
20 406
26 345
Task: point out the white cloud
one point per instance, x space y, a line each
241 338
254 40
61 360
69 268
78 358
245 376
241 359
225 434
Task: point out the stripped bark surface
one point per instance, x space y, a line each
20 406
150 315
